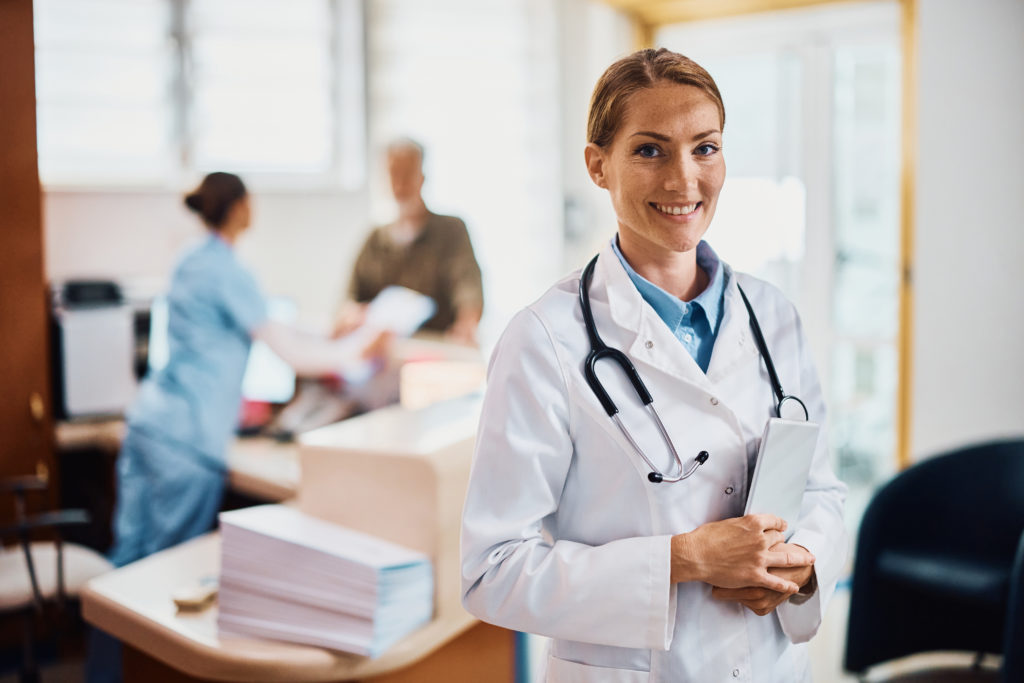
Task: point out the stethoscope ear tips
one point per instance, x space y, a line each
654 477
702 457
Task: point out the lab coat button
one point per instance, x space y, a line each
735 673
714 401
649 344
729 490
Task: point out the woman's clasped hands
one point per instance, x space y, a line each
745 560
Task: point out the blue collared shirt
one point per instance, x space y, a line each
694 323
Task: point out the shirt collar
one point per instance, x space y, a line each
671 309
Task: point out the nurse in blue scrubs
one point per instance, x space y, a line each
171 469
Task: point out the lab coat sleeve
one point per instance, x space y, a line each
821 528
513 573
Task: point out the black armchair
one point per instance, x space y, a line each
940 561
33 573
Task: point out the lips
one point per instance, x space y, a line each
676 209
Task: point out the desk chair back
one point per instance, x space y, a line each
940 557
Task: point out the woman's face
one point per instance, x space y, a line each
664 169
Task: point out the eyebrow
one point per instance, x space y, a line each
665 138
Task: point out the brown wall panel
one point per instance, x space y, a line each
26 426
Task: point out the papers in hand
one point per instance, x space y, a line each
288 576
395 309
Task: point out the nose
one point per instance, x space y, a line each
681 174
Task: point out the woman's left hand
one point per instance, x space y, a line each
762 601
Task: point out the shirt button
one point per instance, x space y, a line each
729 490
688 337
649 344
714 401
735 673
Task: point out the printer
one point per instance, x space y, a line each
93 349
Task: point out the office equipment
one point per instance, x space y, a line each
288 576
93 349
940 561
780 475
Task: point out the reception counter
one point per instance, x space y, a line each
397 473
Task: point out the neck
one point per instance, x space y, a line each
675 272
412 210
228 234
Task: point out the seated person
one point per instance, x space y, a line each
423 251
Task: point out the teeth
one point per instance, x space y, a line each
677 210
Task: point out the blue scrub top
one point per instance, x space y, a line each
214 305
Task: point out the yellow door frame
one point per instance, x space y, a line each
649 15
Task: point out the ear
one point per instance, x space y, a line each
595 158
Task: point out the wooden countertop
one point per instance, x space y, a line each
134 604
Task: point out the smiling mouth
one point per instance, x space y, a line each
676 209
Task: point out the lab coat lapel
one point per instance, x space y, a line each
734 343
644 337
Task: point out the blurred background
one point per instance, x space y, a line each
874 148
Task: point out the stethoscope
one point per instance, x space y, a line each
599 351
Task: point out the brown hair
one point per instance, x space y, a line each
640 70
214 196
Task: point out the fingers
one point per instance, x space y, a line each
749 593
778 584
773 538
788 556
767 522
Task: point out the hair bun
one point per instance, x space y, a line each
194 201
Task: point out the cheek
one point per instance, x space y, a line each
713 180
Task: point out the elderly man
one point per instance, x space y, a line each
423 251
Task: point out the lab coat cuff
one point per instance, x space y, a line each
801 615
663 594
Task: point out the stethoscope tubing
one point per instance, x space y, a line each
601 351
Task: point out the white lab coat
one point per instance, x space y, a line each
564 536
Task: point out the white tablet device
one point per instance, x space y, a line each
780 475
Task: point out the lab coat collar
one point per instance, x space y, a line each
639 324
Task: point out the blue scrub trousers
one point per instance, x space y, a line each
167 493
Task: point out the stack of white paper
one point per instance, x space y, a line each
288 576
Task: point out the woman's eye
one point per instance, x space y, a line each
707 149
648 151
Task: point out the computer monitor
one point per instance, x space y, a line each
267 378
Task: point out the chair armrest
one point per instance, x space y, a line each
28 482
56 519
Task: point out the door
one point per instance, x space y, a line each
26 425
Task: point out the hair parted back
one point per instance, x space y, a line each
642 69
214 197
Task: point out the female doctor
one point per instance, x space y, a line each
638 564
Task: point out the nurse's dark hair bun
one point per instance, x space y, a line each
215 196
194 201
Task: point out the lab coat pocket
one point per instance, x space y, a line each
564 671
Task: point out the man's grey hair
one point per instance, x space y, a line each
399 145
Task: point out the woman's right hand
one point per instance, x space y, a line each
736 553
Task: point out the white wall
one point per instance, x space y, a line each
300 245
968 377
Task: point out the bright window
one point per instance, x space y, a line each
145 92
